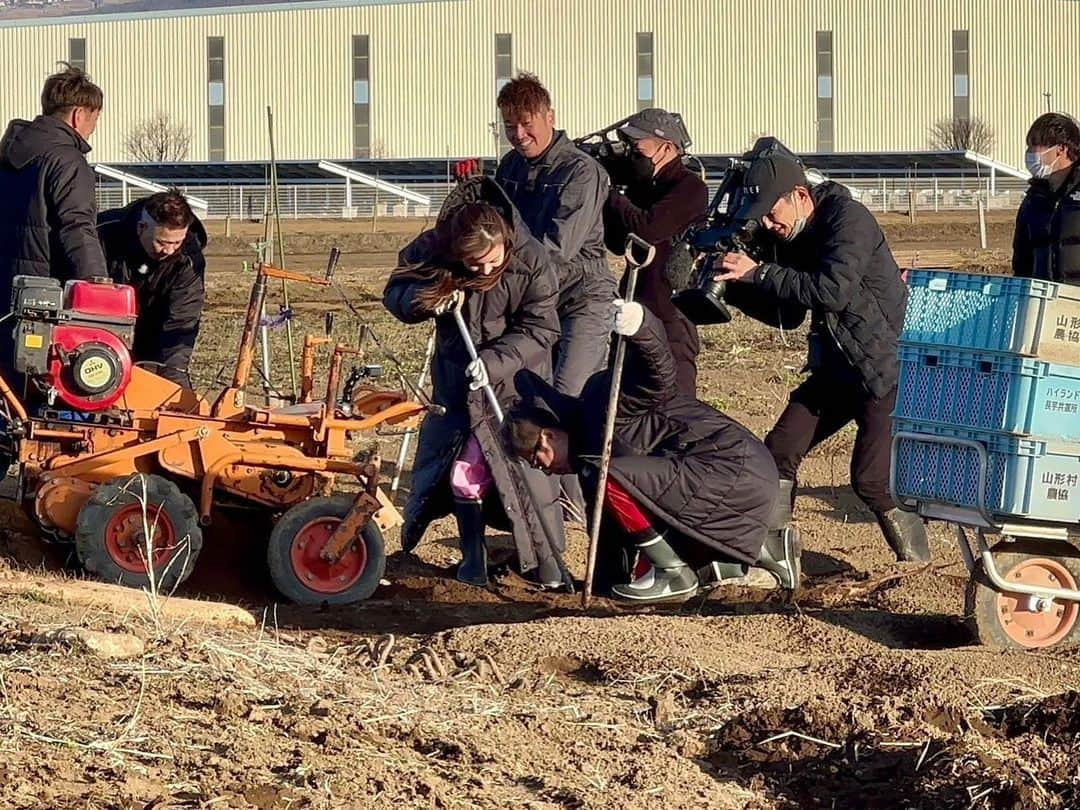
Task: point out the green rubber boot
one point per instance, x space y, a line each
781 554
669 580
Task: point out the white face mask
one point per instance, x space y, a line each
1038 169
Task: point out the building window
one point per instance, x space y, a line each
504 71
215 74
823 46
77 53
361 95
646 81
961 84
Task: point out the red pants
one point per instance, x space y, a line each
631 520
624 510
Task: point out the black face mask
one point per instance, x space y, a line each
641 167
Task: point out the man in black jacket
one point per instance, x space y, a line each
832 259
47 202
560 192
156 245
689 489
660 201
1046 243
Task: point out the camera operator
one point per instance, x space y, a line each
832 260
657 198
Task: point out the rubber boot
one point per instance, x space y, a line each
719 574
549 575
670 579
410 538
781 553
470 520
785 505
905 533
781 556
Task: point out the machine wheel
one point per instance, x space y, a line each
110 533
1020 622
302 576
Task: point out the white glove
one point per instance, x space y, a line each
626 317
476 371
451 303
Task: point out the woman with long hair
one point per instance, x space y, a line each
480 259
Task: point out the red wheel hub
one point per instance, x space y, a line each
318 574
125 538
1031 621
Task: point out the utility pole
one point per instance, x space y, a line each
1046 95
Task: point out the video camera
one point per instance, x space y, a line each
696 258
613 149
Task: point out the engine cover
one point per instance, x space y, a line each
100 300
89 367
75 343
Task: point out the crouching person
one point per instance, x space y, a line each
480 259
691 494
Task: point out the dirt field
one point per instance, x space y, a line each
867 691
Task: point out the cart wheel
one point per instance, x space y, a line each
1016 621
111 533
302 576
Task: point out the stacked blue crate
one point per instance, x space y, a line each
989 392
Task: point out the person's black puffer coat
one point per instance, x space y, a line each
1046 243
659 211
839 268
514 325
47 204
700 472
170 292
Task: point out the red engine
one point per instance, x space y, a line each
74 343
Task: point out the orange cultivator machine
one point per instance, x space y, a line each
131 467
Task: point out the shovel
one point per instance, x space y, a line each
632 268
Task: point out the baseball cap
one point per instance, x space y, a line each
654 122
766 181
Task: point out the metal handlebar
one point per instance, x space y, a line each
984 471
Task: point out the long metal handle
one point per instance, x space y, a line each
613 402
281 255
470 347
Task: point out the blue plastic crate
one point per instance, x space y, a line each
996 313
987 391
1025 478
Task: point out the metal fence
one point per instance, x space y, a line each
307 200
330 200
937 194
